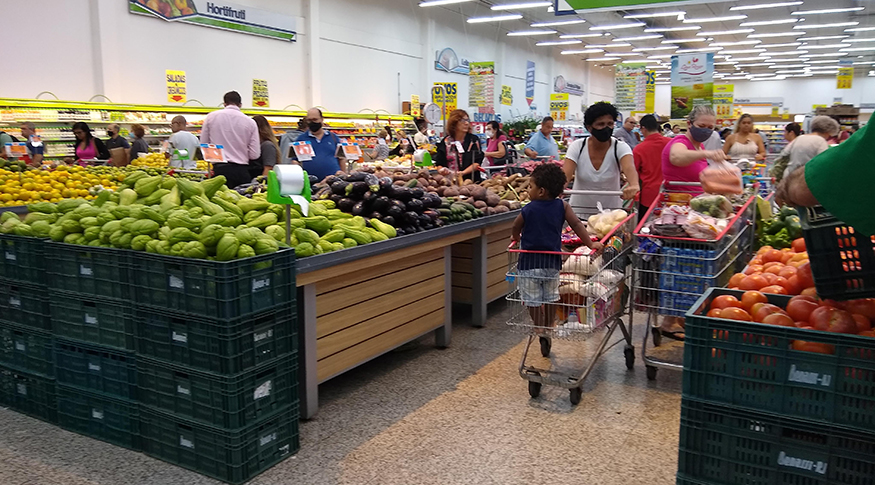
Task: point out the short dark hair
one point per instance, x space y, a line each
551 178
794 127
233 97
666 126
597 110
649 123
546 119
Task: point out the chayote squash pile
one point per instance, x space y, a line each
179 217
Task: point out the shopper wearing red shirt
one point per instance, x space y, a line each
648 162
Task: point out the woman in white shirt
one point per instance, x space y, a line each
744 143
595 162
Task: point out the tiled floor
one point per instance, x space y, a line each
422 416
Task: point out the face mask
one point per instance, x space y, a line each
314 126
603 134
489 133
109 133
700 134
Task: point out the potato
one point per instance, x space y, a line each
500 209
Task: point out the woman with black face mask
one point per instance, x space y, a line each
683 159
595 163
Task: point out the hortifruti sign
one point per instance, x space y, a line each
220 15
564 7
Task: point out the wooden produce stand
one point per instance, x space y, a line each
357 304
479 269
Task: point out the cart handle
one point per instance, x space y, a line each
593 192
683 184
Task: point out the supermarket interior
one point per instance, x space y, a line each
294 244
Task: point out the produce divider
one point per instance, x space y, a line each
360 303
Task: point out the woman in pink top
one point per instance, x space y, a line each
495 150
88 147
683 159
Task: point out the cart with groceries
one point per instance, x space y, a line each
592 288
686 243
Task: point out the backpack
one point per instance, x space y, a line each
14 140
616 143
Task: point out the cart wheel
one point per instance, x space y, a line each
534 389
651 373
630 357
546 344
657 336
575 394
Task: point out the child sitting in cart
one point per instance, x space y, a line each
539 228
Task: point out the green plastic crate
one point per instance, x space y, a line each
726 445
216 346
94 320
21 259
26 349
24 304
29 394
233 456
214 289
752 365
226 401
96 369
88 270
112 420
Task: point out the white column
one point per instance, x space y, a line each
314 66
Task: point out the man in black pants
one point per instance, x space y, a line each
238 135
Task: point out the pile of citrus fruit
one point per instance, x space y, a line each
21 188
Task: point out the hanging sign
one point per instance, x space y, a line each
260 96
530 82
786 114
213 153
630 86
481 86
845 77
450 90
303 150
506 96
414 106
352 151
559 106
447 60
225 16
775 111
724 96
561 85
176 92
692 83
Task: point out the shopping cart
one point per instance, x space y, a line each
592 292
671 273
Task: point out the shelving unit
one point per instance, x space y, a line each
773 134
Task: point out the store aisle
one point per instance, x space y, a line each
420 416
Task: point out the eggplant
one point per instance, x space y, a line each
388 220
339 187
357 177
358 209
373 182
428 226
370 197
381 204
323 194
385 185
346 205
356 189
375 215
400 204
395 211
415 205
417 193
432 200
330 179
401 193
335 198
432 214
411 218
408 229
399 231
314 180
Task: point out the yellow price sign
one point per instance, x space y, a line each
414 105
260 96
176 92
845 78
559 102
506 96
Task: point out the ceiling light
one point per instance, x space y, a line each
530 32
787 53
758 64
648 49
743 51
775 34
638 37
826 26
725 63
823 61
787 66
681 41
774 46
559 42
820 67
860 29
830 54
673 29
776 78
858 49
864 63
557 23
605 46
743 59
823 37
579 36
655 15
626 54
859 40
703 49
733 78
784 60
495 18
514 6
826 72
435 3
617 26
661 56
730 44
764 5
801 71
715 19
724 32
762 74
827 10
768 22
583 51
824 46
663 72
597 59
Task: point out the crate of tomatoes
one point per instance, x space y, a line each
796 356
779 271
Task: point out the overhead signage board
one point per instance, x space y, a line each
224 16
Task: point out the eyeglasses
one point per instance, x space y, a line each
465 120
77 132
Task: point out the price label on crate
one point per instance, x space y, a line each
16 149
352 151
213 153
303 150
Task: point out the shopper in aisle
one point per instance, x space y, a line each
595 162
648 162
270 150
808 146
87 147
744 143
459 152
34 150
405 145
381 146
684 157
627 132
238 135
421 137
675 130
666 130
115 140
325 161
791 132
139 145
496 151
184 146
541 143
288 137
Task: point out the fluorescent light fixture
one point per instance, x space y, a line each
764 5
745 59
583 51
859 40
823 46
638 37
558 23
776 78
703 49
661 56
826 26
734 78
783 60
763 74
869 63
860 29
559 42
520 33
648 49
823 37
597 59
787 66
820 67
579 36
626 54
725 32
823 61
775 34
673 29
743 51
665 71
858 49
495 18
830 54
757 64
759 23
435 3
826 72
514 6
682 41
787 53
617 26
606 46
655 15
775 46
732 44
704 20
827 10
800 71
725 63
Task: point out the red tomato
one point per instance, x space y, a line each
753 282
863 306
750 297
779 319
714 313
815 347
772 264
753 269
757 261
863 323
772 255
830 319
806 280
867 333
766 309
787 272
794 282
736 279
804 325
755 308
770 278
774 289
725 301
763 250
799 245
810 291
733 313
775 270
788 255
800 307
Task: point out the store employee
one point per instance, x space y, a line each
325 161
541 144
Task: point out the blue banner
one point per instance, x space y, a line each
530 82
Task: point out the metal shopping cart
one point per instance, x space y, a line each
592 292
670 272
